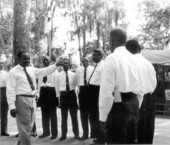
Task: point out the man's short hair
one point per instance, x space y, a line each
21 52
119 35
99 50
133 46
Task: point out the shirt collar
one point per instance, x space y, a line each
97 64
120 48
20 67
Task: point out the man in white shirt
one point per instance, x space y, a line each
118 102
3 101
48 102
82 75
146 122
65 87
93 93
21 92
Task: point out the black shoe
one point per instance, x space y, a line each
97 141
4 134
77 137
43 135
62 138
17 135
34 134
83 137
93 136
53 137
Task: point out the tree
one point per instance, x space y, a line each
21 25
6 23
156 31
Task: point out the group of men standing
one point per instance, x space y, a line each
114 95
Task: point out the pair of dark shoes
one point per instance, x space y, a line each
34 134
46 135
53 137
84 137
64 137
98 141
4 134
17 135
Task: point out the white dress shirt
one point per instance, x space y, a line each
50 80
17 83
96 77
119 72
80 74
147 76
3 78
61 81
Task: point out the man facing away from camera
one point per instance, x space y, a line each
21 94
146 122
118 101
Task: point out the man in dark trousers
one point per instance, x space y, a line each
21 93
93 93
118 102
146 124
3 101
65 87
48 102
82 75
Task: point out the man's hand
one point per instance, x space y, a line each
13 112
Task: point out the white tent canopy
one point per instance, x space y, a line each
157 56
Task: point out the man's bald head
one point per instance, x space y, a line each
117 38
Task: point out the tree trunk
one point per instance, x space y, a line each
21 26
78 35
98 35
84 35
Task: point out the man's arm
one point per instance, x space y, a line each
11 94
107 87
41 72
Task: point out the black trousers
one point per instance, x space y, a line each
146 125
49 117
122 121
74 121
4 110
48 103
93 110
84 110
68 101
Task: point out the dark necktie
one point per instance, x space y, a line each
67 82
92 74
45 79
29 79
85 81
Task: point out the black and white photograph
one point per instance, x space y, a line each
84 72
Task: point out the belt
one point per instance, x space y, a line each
47 87
67 91
27 96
